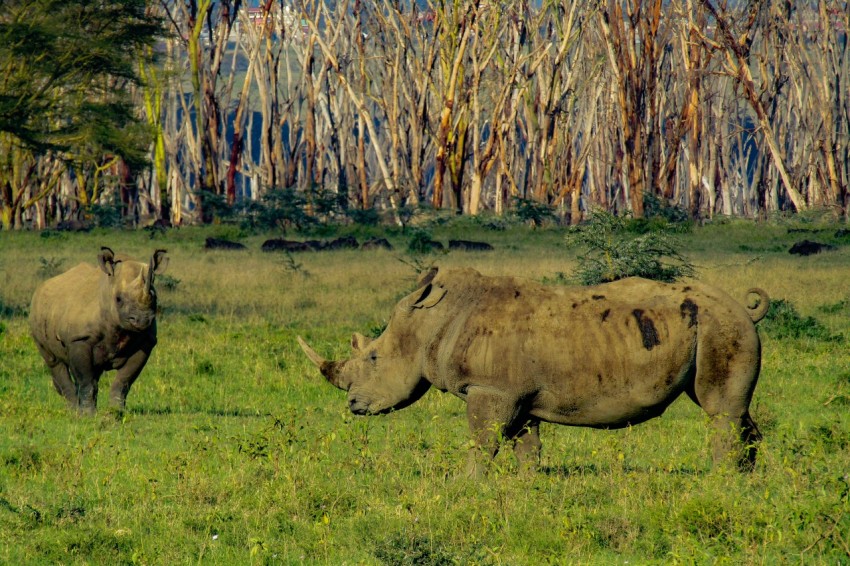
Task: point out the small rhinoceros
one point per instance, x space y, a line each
518 352
93 319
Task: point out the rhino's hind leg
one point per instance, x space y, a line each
728 362
64 385
527 445
735 439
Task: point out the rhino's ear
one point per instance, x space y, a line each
427 277
159 261
431 295
359 342
106 260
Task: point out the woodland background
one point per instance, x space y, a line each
132 112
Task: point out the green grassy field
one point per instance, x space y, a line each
234 450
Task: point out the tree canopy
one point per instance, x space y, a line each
66 68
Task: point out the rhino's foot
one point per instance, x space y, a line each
736 442
86 411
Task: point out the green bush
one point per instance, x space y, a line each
533 212
615 252
49 267
278 209
655 207
783 322
367 217
106 215
420 242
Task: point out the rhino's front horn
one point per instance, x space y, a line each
329 369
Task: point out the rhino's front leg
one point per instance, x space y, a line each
86 375
490 414
126 376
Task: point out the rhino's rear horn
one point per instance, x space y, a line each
329 369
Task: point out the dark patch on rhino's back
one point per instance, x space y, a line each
647 329
689 309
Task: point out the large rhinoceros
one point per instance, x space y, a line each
93 319
518 352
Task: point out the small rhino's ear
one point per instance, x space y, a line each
159 262
106 260
359 342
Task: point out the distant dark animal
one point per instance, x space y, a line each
221 244
94 319
343 243
842 233
808 247
518 353
74 226
159 227
429 245
469 246
376 243
281 245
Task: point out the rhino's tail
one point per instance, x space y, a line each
758 311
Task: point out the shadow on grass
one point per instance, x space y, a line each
211 411
566 471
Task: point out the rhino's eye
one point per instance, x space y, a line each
373 356
119 300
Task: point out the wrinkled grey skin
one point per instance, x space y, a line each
94 319
519 353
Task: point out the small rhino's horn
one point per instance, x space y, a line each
328 368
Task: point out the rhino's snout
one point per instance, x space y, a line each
358 407
138 320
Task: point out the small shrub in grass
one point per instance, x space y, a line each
615 253
402 549
783 322
835 308
49 267
8 311
420 242
167 282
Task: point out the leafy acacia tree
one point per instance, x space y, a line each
66 68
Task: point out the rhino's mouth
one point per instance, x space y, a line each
361 407
138 323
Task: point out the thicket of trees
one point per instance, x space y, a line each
354 106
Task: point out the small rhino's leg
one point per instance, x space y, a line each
64 385
85 375
125 378
128 373
527 445
489 414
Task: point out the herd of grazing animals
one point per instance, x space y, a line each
517 352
